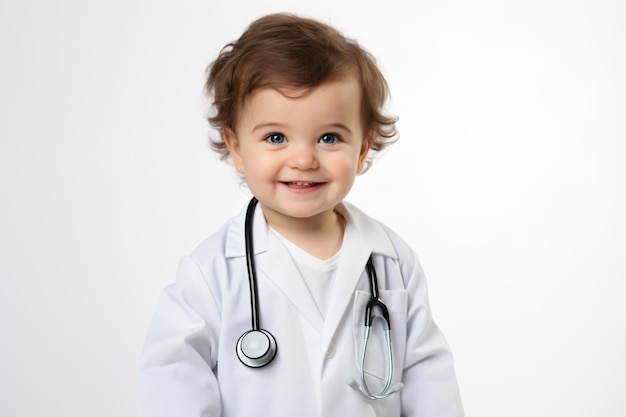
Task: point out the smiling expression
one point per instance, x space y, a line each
300 150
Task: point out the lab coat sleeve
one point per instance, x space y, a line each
430 383
179 356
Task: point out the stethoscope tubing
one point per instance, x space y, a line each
375 300
257 347
250 264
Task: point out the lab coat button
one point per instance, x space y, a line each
330 352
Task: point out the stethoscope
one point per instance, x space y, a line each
257 347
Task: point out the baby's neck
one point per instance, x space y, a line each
321 236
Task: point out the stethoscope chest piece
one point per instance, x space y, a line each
256 348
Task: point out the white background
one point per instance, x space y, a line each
508 179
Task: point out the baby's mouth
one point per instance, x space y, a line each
300 184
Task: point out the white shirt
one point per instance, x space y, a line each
318 274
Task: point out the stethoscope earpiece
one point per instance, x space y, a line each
256 348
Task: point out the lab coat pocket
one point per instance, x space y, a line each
377 357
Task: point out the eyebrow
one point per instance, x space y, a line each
340 126
265 125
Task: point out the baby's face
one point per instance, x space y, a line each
300 153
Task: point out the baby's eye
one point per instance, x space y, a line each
276 138
329 139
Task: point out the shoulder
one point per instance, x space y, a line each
213 251
214 245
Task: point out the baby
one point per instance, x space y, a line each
301 305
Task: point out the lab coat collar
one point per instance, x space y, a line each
370 232
235 238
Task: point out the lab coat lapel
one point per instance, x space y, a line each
279 267
354 255
273 262
363 237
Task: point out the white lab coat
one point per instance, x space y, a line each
189 367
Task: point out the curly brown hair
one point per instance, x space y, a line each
285 50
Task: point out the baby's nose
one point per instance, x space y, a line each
303 157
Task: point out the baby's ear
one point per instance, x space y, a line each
232 143
365 148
